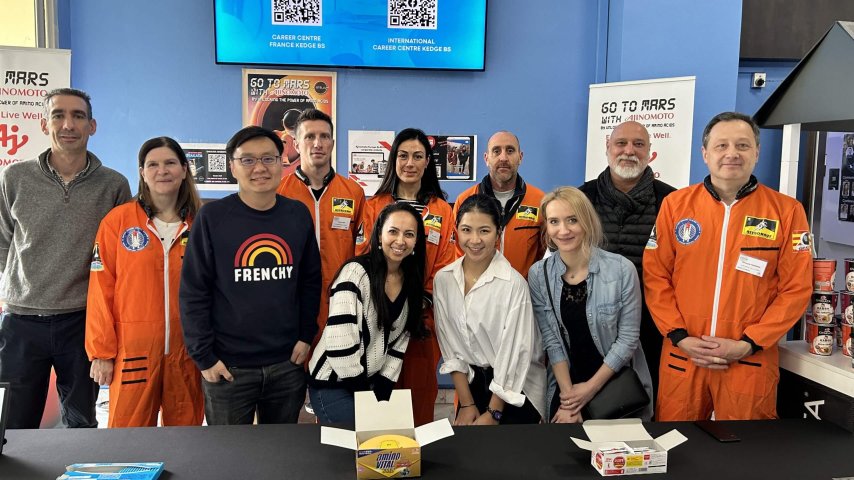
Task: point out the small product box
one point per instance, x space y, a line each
386 442
624 447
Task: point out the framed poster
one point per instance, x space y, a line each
274 99
209 166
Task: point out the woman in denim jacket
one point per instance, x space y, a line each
590 330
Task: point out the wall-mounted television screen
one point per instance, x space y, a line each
418 34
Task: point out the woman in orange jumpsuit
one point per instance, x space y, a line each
412 178
133 328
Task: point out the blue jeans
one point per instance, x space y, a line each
276 392
333 406
29 346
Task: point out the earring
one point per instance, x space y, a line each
413 252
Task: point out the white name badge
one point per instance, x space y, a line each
433 237
341 223
751 265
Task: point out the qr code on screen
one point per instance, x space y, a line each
298 12
418 14
216 162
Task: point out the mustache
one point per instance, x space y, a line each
632 158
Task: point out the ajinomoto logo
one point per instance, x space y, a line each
263 257
760 227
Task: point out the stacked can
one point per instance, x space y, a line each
846 307
821 325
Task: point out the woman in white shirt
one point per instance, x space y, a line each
485 326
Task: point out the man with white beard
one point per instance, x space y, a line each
627 198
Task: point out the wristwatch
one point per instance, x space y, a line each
496 414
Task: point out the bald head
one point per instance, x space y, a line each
503 157
628 150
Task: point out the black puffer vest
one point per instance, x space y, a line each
627 219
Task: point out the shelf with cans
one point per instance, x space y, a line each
828 323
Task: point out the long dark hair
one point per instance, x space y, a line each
412 267
429 181
188 202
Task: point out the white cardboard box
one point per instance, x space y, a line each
394 417
608 434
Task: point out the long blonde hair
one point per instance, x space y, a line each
584 212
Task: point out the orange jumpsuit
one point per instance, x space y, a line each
422 356
339 210
696 285
132 317
520 240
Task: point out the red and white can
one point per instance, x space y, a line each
823 273
821 338
846 340
849 274
823 306
846 306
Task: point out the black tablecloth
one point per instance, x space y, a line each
796 449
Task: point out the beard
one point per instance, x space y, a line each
628 172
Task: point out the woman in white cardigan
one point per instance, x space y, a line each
485 326
374 308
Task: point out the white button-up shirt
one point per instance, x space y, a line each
491 326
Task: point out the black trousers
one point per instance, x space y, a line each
511 414
29 346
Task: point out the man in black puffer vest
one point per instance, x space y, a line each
627 198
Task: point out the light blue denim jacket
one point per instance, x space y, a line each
613 314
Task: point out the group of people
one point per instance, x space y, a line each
533 302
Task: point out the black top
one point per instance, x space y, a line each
396 306
584 358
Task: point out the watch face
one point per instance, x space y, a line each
496 414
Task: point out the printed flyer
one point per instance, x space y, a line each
275 98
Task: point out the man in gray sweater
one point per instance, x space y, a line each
50 208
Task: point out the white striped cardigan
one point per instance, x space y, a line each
353 349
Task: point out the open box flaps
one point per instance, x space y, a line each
392 417
624 447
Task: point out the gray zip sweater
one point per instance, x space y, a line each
47 233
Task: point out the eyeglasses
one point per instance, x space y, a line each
251 161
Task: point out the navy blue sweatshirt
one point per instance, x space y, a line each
250 284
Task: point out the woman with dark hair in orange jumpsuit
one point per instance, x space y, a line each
412 179
133 328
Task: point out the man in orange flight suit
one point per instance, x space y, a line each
335 202
520 237
726 275
127 322
422 357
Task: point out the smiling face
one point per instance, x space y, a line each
477 236
411 162
162 171
563 228
68 124
258 179
399 234
731 152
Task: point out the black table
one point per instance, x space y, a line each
781 449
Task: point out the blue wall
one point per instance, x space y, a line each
749 100
149 67
677 38
153 73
